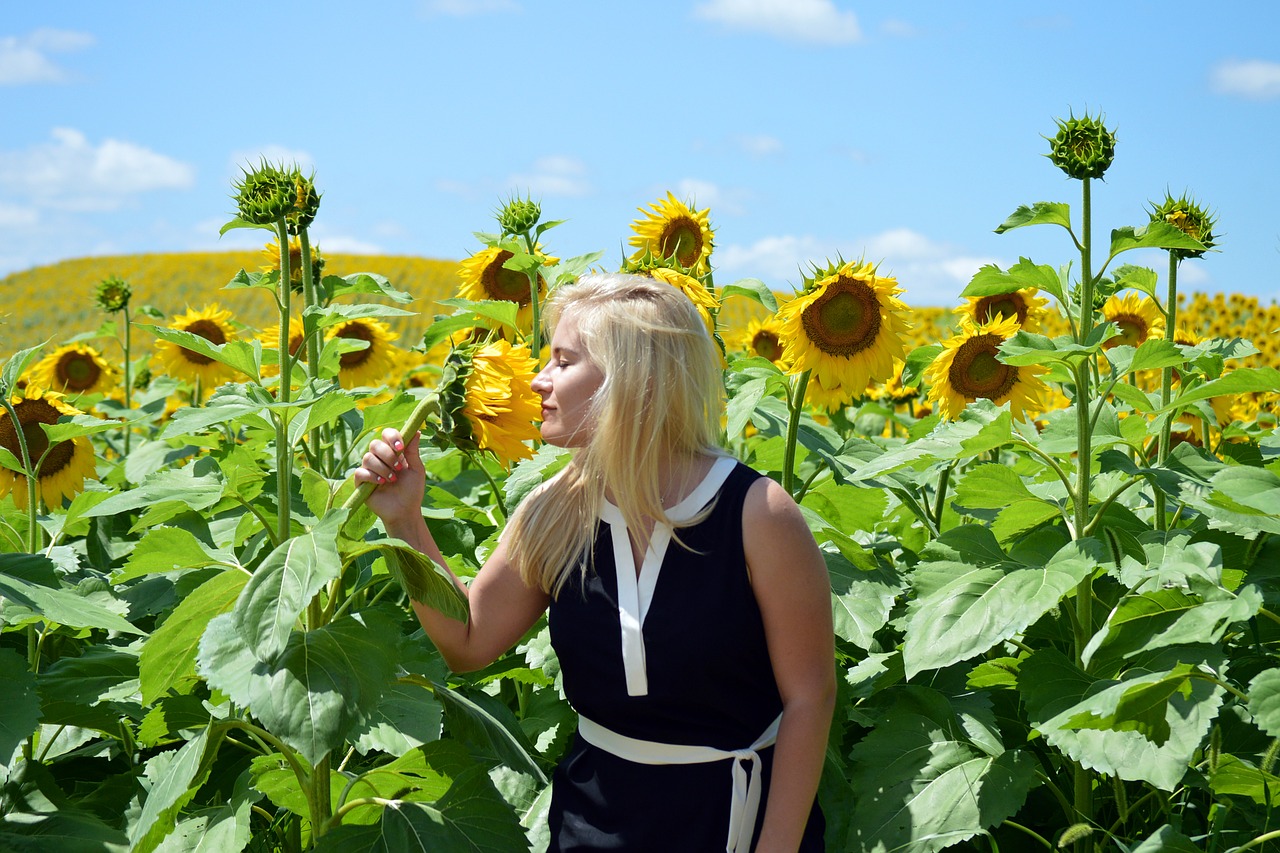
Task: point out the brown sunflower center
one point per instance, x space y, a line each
1004 305
210 331
976 372
1133 331
502 283
681 239
355 358
845 319
767 345
32 413
77 371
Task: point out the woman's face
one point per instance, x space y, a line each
567 385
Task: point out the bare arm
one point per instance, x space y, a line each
793 590
502 607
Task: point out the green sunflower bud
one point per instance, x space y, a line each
306 203
1189 218
266 194
113 294
1083 148
519 216
455 429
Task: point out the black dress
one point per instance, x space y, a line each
697 672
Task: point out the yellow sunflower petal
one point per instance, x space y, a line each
501 405
373 365
213 323
66 464
968 369
75 369
1137 316
672 230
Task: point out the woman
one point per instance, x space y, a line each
689 605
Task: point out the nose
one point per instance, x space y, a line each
542 382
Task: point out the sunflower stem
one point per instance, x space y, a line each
1082 779
795 404
128 376
284 473
1166 387
411 425
322 451
535 308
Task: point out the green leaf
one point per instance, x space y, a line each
487 725
1138 704
214 830
1021 517
169 654
1264 701
237 222
472 816
76 426
500 311
922 784
861 600
284 584
530 473
918 360
175 778
1237 778
323 316
990 280
16 366
1055 691
167 492
1152 354
1040 213
1155 235
1133 277
325 684
66 831
422 578
1247 489
60 606
753 289
1166 839
84 691
976 609
242 279
20 711
1025 348
407 717
167 549
363 282
991 486
242 356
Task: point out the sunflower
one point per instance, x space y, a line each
75 369
846 328
707 304
671 230
68 463
372 365
271 254
762 338
483 277
1025 304
213 323
969 368
1138 317
487 401
270 338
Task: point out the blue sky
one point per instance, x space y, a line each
902 132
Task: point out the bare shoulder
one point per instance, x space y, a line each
776 537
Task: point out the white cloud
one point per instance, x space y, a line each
930 273
760 145
71 173
25 60
468 8
1256 79
899 28
818 21
552 176
15 216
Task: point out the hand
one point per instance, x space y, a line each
396 469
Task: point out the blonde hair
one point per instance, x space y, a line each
660 399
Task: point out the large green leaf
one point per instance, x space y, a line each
861 600
1166 839
284 584
753 289
67 831
20 711
61 606
175 777
922 784
167 493
169 654
1040 213
1243 380
472 816
1055 692
242 356
1236 778
981 427
1264 700
990 280
221 829
1136 704
89 690
408 716
979 607
322 686
1155 235
422 578
166 549
488 727
1152 354
1165 617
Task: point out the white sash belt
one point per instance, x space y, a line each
746 784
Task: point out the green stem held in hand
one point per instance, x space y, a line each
426 406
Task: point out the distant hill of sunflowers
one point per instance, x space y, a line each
56 302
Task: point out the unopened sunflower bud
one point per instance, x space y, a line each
306 203
113 294
265 194
1189 218
1083 148
519 216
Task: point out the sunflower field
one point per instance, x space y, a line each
1050 513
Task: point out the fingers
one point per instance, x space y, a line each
386 456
